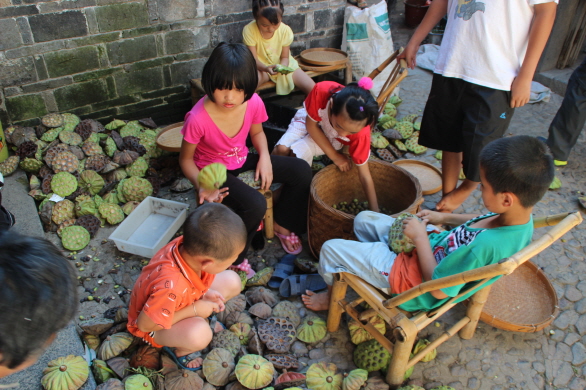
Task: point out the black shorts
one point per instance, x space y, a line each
463 117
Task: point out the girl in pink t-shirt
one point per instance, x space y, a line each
216 130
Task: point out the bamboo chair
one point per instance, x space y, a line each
398 73
405 329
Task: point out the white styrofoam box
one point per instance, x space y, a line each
150 226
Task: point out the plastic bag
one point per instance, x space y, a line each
368 42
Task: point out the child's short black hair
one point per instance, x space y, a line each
38 296
231 65
213 230
521 165
272 10
359 104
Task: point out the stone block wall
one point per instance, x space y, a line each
128 59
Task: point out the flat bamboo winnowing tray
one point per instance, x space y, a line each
170 138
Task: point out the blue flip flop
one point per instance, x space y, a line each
182 361
295 285
283 270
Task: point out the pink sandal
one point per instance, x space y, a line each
244 266
293 239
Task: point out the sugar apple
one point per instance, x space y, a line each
398 241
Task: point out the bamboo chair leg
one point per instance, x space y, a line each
335 310
401 353
475 306
268 219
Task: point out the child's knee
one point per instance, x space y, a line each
233 284
198 336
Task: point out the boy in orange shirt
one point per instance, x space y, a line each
187 281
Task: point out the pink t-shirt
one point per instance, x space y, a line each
213 146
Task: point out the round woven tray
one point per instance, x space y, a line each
317 68
524 301
429 176
396 189
324 56
170 137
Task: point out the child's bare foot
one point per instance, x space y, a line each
188 362
452 200
316 302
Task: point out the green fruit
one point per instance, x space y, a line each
413 146
371 356
243 331
63 184
355 379
405 128
322 376
358 335
111 213
390 109
111 197
254 371
31 164
132 128
410 118
378 141
438 154
212 176
384 118
114 344
217 366
110 147
421 344
8 167
395 100
400 145
90 181
227 340
137 382
62 211
138 167
101 371
135 189
312 330
51 134
129 207
70 121
261 278
65 373
398 241
75 238
283 69
115 124
389 124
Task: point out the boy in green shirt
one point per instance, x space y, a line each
515 174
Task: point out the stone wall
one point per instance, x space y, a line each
128 59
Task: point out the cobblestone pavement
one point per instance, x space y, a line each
496 359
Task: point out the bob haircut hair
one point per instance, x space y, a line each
214 230
272 10
520 165
231 65
38 296
359 104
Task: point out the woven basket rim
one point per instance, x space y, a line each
504 324
170 146
313 190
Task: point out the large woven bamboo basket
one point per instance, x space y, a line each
396 189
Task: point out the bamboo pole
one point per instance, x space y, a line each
475 307
370 329
269 229
402 350
337 296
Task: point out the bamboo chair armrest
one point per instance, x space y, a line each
564 222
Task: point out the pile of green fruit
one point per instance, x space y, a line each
395 137
355 206
84 174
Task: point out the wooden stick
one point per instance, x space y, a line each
269 229
475 307
337 296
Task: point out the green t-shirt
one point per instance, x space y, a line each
465 248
